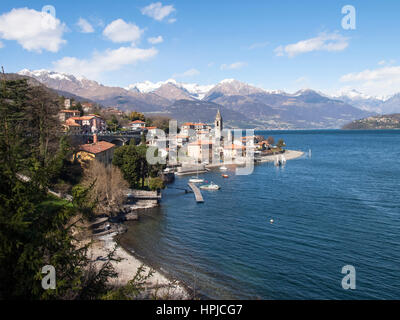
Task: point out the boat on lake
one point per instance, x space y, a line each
223 168
225 176
211 186
196 180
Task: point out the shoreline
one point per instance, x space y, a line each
158 286
159 283
289 155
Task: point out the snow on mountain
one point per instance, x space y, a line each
195 90
43 73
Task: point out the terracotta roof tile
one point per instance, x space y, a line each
96 147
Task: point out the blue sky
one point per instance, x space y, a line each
208 41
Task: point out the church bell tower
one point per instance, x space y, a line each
218 126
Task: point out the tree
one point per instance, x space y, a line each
79 108
281 143
37 229
260 138
107 187
134 115
113 124
134 166
156 184
160 122
271 140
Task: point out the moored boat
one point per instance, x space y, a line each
211 186
196 180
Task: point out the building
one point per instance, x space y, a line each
113 111
67 103
152 130
64 115
138 124
102 151
201 151
87 106
218 126
233 151
195 127
91 123
72 127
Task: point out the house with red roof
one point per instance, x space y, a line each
102 151
138 124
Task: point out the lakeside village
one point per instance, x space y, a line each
196 147
75 171
111 137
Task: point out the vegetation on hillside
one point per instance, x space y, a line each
134 166
391 121
37 229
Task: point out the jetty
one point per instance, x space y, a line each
197 193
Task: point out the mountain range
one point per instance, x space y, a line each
241 104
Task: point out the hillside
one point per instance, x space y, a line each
240 103
391 121
203 111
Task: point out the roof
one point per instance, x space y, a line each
70 111
200 142
199 124
86 117
234 146
71 122
188 124
138 121
96 147
150 128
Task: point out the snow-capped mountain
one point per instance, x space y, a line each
232 87
273 109
360 100
194 90
63 82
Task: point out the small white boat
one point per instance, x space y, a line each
211 186
223 168
196 180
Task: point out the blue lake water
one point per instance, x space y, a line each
339 207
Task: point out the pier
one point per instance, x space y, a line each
197 192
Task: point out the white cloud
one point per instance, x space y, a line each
323 42
100 62
258 45
155 40
187 73
233 66
85 26
33 30
378 82
387 62
158 12
120 31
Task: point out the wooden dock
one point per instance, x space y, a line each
197 192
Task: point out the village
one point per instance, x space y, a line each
194 147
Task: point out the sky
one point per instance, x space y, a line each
274 44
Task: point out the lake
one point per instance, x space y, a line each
339 207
